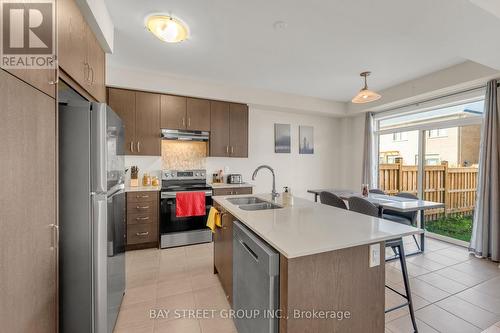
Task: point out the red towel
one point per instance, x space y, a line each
190 204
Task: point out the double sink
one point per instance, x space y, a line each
252 203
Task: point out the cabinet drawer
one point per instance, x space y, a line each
148 207
142 196
142 233
232 191
143 218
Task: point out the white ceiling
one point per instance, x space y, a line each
326 44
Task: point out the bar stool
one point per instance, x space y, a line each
364 206
328 198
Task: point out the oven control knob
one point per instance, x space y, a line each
197 174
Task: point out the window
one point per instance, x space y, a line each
438 133
432 159
400 136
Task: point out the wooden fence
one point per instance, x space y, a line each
456 187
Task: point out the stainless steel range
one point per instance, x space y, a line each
179 231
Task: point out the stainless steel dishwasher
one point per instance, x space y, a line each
255 282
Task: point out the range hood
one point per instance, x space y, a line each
184 135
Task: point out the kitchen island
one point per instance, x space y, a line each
325 262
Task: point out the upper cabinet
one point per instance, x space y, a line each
140 113
228 129
185 113
80 55
145 114
198 114
173 112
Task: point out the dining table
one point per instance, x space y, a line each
394 203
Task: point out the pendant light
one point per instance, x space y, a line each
365 95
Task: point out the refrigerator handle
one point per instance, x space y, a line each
100 264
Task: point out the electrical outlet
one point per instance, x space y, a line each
374 255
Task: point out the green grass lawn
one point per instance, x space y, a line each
458 227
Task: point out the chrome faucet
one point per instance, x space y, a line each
274 194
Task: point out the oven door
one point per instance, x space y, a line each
170 223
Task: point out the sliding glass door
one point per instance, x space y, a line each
434 154
450 177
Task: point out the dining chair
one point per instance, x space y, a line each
331 199
376 191
364 206
409 218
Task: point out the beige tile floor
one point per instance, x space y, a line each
453 292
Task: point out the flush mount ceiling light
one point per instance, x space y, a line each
167 28
365 95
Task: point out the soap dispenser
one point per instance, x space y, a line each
287 197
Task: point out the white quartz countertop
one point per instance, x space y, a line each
308 228
142 188
226 185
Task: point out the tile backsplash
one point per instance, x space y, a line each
182 155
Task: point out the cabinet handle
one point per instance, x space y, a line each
232 150
92 72
55 236
189 122
142 196
142 207
142 218
56 80
138 146
227 149
132 146
142 233
87 72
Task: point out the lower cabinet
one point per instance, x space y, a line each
142 219
223 253
232 190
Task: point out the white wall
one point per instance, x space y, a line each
299 172
351 152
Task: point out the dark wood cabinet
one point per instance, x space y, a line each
72 45
145 114
140 112
28 240
198 114
173 112
228 129
147 121
96 62
232 190
223 253
238 130
123 103
79 54
219 129
142 219
178 112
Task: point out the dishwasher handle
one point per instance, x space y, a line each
249 250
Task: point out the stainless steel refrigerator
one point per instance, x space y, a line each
91 214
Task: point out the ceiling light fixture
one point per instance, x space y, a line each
365 95
167 28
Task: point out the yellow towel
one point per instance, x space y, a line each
213 219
